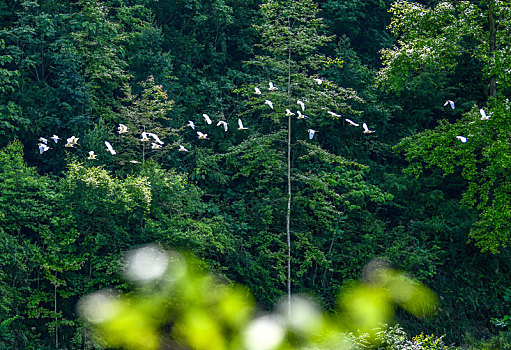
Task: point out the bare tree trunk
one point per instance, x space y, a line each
143 153
288 212
493 45
55 309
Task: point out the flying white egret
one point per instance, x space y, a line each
42 148
311 133
202 136
269 103
449 102
110 148
351 122
182 148
461 138
71 142
155 145
191 124
334 115
289 113
223 123
483 115
121 129
271 88
257 91
43 140
144 137
207 118
366 129
301 116
241 127
55 138
155 137
134 161
301 105
318 81
91 155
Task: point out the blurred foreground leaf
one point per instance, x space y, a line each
187 307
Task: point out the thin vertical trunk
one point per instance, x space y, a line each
288 212
493 45
143 153
55 309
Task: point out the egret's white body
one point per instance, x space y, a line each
191 124
110 148
207 118
351 122
91 155
223 123
269 103
202 136
155 137
311 133
241 127
43 140
155 145
301 105
121 129
42 148
55 138
318 81
144 137
366 129
257 91
461 138
301 116
71 142
289 113
333 114
134 161
483 115
449 102
271 88
182 148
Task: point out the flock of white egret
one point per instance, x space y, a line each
156 143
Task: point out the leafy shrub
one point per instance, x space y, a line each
395 338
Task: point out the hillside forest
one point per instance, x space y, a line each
287 144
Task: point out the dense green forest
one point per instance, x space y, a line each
298 200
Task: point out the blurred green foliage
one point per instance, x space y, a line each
176 303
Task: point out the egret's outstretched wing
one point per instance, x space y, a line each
289 113
351 122
224 124
207 118
366 129
483 115
241 127
110 148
